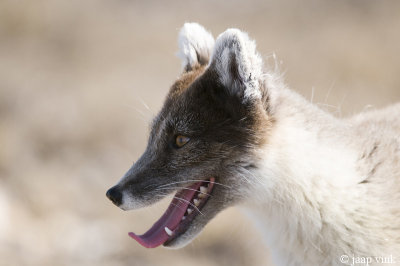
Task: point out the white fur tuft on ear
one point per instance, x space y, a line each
195 45
238 64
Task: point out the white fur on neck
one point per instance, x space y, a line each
308 200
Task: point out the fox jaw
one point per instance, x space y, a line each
204 144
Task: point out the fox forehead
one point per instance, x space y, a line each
175 115
184 81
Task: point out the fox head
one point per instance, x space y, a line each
203 143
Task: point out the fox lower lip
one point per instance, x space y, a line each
185 206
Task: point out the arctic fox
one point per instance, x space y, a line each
324 190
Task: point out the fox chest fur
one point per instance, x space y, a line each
230 133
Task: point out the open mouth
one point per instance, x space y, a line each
185 206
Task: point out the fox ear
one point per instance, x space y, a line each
237 63
195 46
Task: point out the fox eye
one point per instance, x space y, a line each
180 141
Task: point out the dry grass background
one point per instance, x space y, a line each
73 79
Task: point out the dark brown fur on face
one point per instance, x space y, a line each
222 132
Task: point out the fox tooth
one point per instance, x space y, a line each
196 202
203 190
184 217
189 210
168 231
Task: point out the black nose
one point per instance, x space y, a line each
114 195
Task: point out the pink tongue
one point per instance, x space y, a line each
156 235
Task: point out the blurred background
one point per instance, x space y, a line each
80 81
